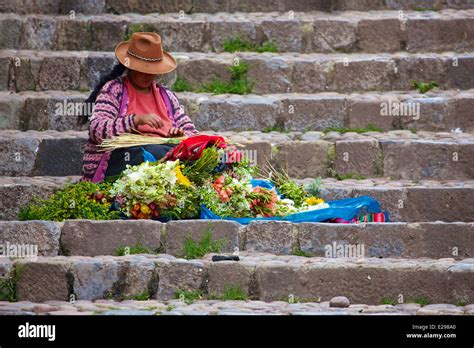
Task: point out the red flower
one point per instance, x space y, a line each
223 197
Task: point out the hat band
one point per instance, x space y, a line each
143 58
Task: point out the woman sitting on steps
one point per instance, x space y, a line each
132 102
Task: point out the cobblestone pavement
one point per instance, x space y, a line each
216 307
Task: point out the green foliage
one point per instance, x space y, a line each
189 296
369 128
203 167
231 293
181 85
461 303
239 83
137 249
353 176
424 9
239 45
8 290
195 250
388 301
108 295
424 87
268 46
137 27
144 296
422 301
244 167
299 252
8 285
290 188
285 185
82 200
234 294
313 188
190 208
276 128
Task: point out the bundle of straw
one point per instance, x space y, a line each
129 139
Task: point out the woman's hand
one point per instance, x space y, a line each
175 132
149 119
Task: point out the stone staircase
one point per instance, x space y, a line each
339 63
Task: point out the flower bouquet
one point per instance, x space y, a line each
201 178
221 180
155 190
232 194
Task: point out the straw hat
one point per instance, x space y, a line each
144 53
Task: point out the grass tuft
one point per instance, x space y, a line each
196 249
239 83
239 45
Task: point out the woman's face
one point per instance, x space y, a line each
140 79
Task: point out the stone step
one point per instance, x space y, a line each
259 276
25 70
371 240
306 32
212 6
405 200
225 307
395 154
433 111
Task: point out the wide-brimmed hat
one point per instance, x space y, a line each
145 53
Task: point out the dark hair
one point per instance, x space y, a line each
116 71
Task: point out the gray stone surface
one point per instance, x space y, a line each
339 302
179 275
42 236
42 280
270 236
92 238
177 232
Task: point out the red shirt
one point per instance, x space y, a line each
148 103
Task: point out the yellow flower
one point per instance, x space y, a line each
145 209
183 180
314 201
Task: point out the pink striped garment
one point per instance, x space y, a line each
110 119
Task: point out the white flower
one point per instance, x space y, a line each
135 176
318 206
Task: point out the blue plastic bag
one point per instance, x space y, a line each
147 156
346 209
